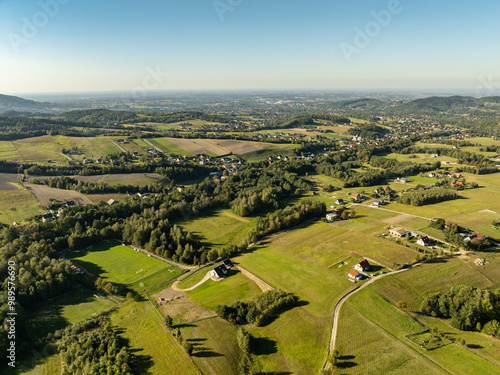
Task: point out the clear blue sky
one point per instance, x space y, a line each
100 45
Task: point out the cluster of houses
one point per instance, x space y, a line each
466 235
403 233
219 272
356 274
49 216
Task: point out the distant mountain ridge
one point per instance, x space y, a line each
15 103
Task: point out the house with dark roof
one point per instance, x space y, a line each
228 263
219 272
362 266
424 241
339 201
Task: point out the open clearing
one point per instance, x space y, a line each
237 147
219 228
122 265
7 180
17 204
45 195
198 146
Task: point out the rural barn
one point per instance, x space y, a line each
398 232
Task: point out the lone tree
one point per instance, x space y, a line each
169 321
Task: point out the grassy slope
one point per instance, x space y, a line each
220 228
17 205
385 349
155 349
71 308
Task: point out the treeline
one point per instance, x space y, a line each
92 347
258 311
309 119
286 218
85 187
426 196
164 167
469 308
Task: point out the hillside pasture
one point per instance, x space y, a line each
382 351
17 204
45 195
155 350
237 147
198 146
122 265
219 228
8 181
72 307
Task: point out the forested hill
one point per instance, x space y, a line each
426 106
15 103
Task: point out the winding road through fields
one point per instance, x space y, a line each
341 301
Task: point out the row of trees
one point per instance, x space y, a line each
426 196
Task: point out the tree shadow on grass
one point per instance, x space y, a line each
263 346
475 346
347 364
206 353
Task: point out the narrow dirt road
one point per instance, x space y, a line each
345 297
174 285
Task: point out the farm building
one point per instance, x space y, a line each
112 202
424 241
219 272
354 275
398 232
333 215
362 266
339 201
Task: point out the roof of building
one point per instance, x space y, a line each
364 264
219 271
353 273
400 230
228 263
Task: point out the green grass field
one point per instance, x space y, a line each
73 307
235 287
18 205
122 265
168 147
216 353
219 228
155 349
385 348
